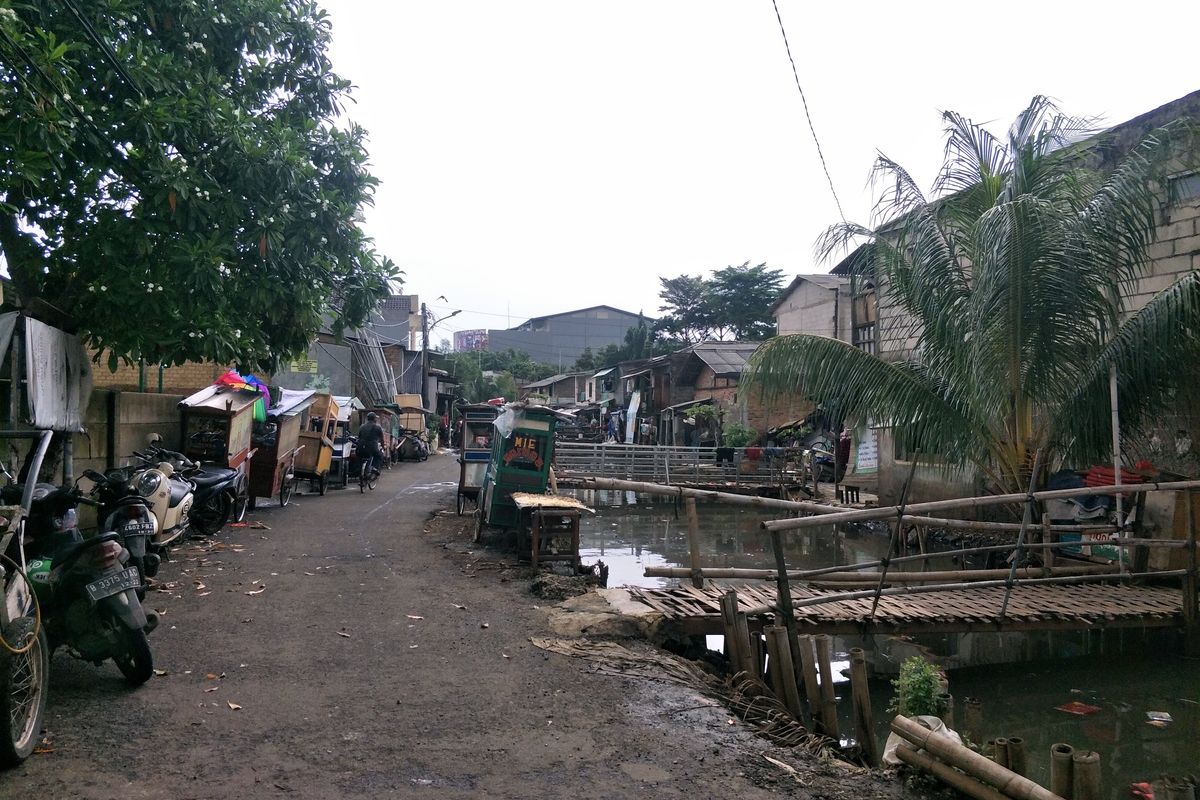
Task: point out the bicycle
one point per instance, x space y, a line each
368 476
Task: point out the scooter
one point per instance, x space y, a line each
168 493
86 589
221 495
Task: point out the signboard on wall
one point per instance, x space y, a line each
307 366
866 454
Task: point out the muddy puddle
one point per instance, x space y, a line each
1021 679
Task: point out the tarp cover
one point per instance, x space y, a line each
58 376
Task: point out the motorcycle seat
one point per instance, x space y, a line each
72 551
211 476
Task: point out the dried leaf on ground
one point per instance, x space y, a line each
259 590
208 689
234 706
343 634
414 616
160 672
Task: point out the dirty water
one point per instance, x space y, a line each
1021 679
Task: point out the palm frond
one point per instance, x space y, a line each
1148 350
852 383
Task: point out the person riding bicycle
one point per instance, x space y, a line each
370 444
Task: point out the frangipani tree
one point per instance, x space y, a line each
1013 279
173 176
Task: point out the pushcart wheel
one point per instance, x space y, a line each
462 502
478 524
252 502
286 489
321 484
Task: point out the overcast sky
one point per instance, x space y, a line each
537 157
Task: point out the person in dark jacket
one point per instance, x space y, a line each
370 444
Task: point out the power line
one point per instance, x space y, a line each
808 116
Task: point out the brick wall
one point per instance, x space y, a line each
183 379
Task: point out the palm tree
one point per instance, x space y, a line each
1013 282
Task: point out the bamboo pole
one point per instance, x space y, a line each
1016 755
973 719
970 762
1061 778
862 515
1085 775
981 525
946 700
729 612
1000 754
829 716
781 665
808 672
860 693
729 498
694 542
1048 537
1191 618
948 775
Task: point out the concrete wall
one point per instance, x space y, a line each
136 416
810 309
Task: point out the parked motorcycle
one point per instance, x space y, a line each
169 494
125 511
413 447
86 588
221 494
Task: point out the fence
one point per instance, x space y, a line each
689 466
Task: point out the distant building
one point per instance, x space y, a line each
398 321
560 339
815 304
466 341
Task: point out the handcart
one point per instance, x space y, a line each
477 428
273 470
339 467
522 450
315 458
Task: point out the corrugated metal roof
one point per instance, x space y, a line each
725 358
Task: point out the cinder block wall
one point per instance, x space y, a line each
183 379
135 416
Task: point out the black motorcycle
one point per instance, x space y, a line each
86 588
126 512
221 495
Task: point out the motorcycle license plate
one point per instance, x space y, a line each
112 584
139 528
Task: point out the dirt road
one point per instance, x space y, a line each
340 652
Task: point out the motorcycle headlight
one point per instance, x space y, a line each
149 482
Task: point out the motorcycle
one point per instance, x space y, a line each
221 495
86 588
413 447
122 510
167 492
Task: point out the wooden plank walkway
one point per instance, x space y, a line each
1040 607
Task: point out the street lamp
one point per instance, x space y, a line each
426 328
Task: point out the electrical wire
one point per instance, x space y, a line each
807 115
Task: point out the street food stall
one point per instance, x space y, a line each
316 439
548 529
478 422
217 424
273 470
522 451
345 427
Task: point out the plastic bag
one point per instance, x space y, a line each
932 723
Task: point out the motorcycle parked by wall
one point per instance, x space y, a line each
86 588
414 446
221 495
169 494
125 511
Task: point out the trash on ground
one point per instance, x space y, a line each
1078 708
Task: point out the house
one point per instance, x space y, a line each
602 386
561 391
560 339
879 325
814 304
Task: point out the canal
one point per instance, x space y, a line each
1023 680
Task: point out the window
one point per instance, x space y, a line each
864 320
1185 187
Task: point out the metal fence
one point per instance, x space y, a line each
699 466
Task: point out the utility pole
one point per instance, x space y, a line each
425 357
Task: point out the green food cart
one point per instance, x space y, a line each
522 450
